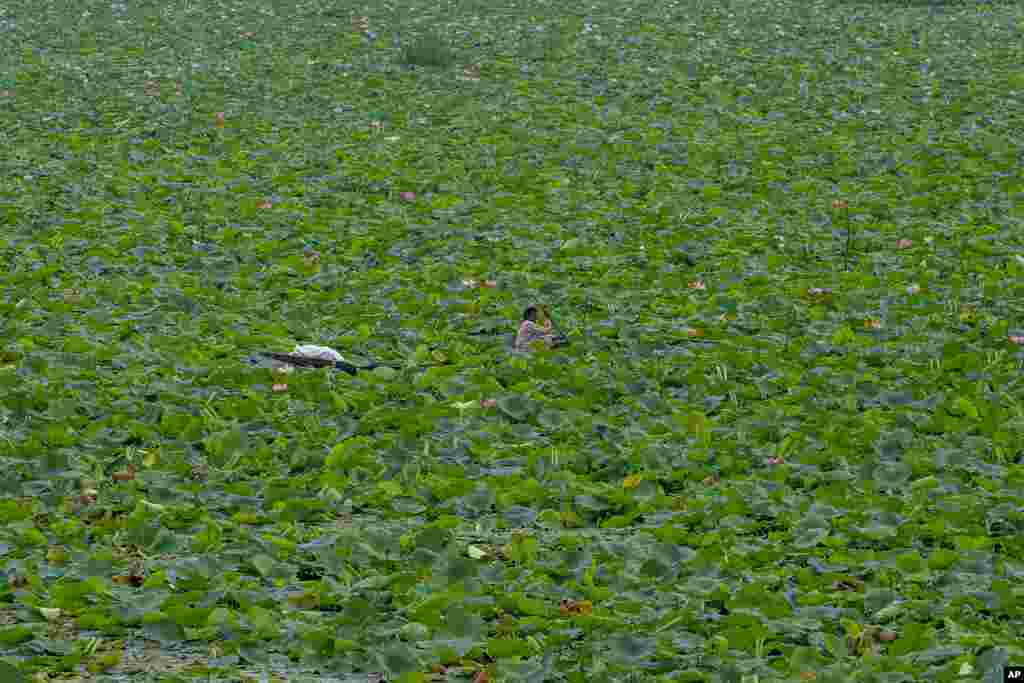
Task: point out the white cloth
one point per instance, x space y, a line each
312 351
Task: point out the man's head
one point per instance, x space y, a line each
531 313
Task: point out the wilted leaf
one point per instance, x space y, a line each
571 608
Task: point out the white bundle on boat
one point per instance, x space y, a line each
313 351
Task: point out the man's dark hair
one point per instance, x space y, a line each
530 313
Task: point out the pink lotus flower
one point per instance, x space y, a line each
265 204
278 388
408 196
488 403
697 284
776 460
904 244
1016 339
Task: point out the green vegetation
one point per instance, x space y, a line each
428 51
785 240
